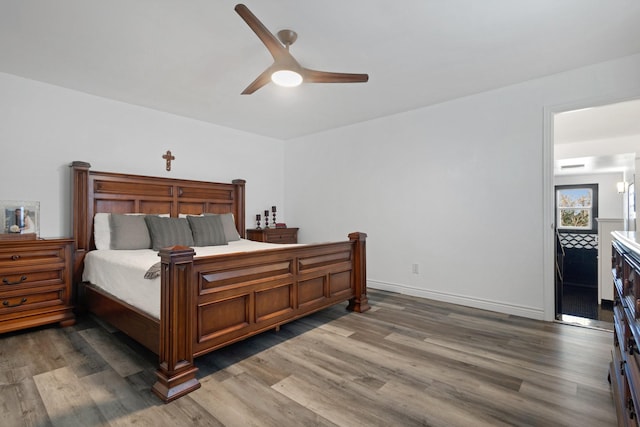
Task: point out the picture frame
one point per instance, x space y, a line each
20 219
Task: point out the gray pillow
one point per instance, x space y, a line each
207 230
129 232
166 232
229 225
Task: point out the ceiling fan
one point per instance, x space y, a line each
285 70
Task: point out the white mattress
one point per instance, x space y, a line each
121 272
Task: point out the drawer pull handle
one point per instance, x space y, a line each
15 257
6 303
7 282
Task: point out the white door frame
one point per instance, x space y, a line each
548 239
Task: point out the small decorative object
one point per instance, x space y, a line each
258 222
168 157
281 225
266 219
20 219
273 209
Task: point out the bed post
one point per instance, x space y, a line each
176 375
80 212
359 302
239 199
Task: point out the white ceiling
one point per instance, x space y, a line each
598 128
194 58
616 120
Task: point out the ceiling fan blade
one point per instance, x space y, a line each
315 76
270 41
261 80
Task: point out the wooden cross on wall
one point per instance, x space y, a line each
168 157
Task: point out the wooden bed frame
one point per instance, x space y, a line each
209 302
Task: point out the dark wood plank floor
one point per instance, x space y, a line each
407 362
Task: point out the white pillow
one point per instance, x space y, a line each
102 230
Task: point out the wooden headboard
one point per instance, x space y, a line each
94 192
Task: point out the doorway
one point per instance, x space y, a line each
576 210
596 151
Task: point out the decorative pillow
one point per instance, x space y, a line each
229 225
207 230
129 232
102 230
167 232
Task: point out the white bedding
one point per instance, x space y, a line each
121 272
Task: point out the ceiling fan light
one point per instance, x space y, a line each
286 78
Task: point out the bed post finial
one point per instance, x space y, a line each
359 302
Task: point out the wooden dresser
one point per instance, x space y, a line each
624 371
273 235
35 283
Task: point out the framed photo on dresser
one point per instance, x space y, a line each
20 219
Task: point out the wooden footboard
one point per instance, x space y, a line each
208 303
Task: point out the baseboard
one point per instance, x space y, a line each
580 285
497 306
607 304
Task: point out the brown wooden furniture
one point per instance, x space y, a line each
35 283
273 235
209 302
624 372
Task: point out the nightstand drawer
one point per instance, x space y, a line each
273 235
35 283
283 237
26 279
26 256
31 300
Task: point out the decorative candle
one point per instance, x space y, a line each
273 208
266 213
257 217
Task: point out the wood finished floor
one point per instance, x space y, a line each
407 362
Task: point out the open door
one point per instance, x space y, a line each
577 250
559 276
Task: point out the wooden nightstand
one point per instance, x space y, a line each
35 283
273 235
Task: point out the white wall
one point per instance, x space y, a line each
44 128
456 188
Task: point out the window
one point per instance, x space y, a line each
577 208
